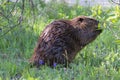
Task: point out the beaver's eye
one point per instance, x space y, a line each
81 19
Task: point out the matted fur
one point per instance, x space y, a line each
61 40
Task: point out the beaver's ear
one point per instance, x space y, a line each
81 19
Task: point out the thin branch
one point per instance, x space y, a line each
9 30
13 8
116 2
1 14
6 16
20 19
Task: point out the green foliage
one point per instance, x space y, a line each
100 60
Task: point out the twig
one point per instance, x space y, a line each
9 30
116 2
20 19
13 7
5 17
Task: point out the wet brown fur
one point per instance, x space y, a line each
61 40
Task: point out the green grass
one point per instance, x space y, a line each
100 60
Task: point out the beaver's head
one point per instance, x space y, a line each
86 29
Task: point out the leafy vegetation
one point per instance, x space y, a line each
22 22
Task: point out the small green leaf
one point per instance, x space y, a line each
118 41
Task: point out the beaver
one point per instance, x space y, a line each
61 40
